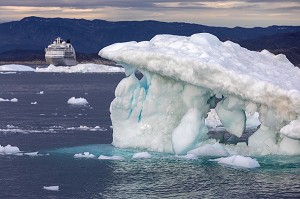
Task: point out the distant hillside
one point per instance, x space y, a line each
288 44
33 34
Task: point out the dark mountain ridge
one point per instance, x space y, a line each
89 36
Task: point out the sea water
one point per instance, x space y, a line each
52 127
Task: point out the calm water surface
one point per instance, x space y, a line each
52 127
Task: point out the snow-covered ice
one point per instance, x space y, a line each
185 77
14 100
84 155
8 100
16 67
114 157
40 93
33 103
141 155
87 128
78 101
238 161
9 150
81 68
51 188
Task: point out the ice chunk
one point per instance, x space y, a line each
84 155
238 161
51 188
78 101
189 132
40 93
141 155
32 153
212 120
9 100
289 146
16 67
292 130
114 157
263 140
234 120
81 68
4 100
8 149
210 150
33 103
14 100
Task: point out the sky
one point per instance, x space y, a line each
229 13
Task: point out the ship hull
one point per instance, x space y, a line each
60 61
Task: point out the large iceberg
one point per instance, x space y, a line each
184 77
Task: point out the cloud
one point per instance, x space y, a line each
210 12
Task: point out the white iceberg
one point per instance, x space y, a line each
16 67
238 161
81 68
114 157
185 77
141 155
84 155
9 150
51 188
78 101
8 100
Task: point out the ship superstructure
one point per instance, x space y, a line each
60 53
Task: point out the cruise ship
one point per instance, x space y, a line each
60 53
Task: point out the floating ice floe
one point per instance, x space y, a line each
9 100
14 100
87 128
141 155
9 150
185 77
114 157
33 154
81 68
51 188
238 161
33 103
40 93
84 155
7 73
78 101
16 67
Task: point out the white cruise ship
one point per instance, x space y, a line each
60 53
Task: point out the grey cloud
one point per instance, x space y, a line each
90 4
